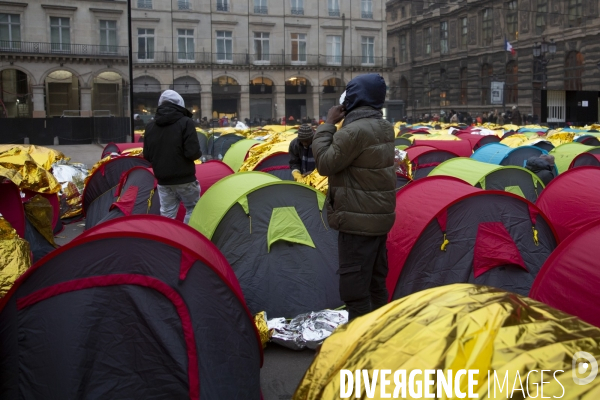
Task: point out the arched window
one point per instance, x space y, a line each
573 71
512 83
486 82
464 91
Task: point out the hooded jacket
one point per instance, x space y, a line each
171 145
359 161
541 168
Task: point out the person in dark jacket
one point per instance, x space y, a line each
302 161
171 145
516 116
542 166
361 201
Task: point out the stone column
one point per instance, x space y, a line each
39 108
206 102
316 104
86 102
245 104
279 104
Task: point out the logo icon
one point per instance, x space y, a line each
584 363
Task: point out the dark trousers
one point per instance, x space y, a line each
363 271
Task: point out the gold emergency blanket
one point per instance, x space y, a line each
38 211
20 167
260 320
460 327
44 156
279 142
314 179
15 256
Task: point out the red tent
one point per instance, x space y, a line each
584 159
462 148
477 141
208 173
119 148
571 200
570 278
426 158
448 231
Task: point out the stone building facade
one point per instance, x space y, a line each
449 54
63 58
254 58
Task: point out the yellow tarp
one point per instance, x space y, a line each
457 327
515 140
14 256
44 156
20 167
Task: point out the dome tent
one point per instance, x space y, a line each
100 189
276 237
486 176
453 232
160 288
118 148
497 153
477 141
136 194
585 159
237 153
461 148
570 277
425 158
570 201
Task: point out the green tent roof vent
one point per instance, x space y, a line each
285 224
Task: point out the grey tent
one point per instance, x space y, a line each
275 236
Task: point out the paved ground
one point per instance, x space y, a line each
282 369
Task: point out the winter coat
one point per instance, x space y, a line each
359 161
541 168
516 118
297 151
171 145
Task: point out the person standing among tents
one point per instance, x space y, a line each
542 166
302 161
171 145
359 161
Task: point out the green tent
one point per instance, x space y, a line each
565 153
487 176
217 200
275 236
236 154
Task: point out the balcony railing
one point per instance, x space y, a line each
366 14
260 10
273 59
223 7
298 11
183 5
334 13
62 48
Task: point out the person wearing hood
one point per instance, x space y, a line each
542 166
302 161
171 146
361 200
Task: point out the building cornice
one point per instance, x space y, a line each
224 22
338 27
145 19
306 26
367 28
186 20
55 7
13 4
271 24
106 11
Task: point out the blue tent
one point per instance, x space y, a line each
497 153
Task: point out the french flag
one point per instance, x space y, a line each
508 47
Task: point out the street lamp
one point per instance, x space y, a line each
544 52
